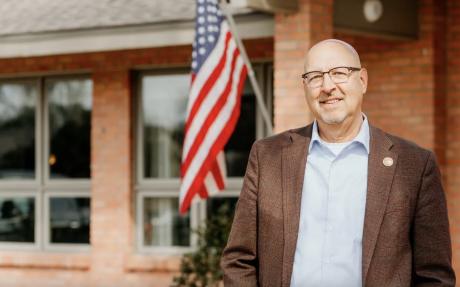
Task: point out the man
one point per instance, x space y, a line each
339 202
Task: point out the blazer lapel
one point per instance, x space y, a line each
294 158
379 181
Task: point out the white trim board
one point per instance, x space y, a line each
121 38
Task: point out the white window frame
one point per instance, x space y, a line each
42 187
157 188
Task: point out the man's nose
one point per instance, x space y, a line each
328 85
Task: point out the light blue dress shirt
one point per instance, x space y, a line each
329 243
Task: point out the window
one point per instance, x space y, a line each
161 105
45 162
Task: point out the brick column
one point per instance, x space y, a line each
294 34
111 234
452 158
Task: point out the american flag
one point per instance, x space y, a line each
218 75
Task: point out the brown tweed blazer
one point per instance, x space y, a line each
406 239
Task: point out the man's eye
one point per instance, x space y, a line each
315 77
339 73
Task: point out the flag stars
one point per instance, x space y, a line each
212 19
213 28
207 31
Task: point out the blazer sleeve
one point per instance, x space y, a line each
432 254
239 259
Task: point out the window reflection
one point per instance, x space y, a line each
163 226
69 219
164 102
69 102
17 130
17 219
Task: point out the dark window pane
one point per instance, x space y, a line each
70 125
164 102
213 204
17 219
17 130
238 147
69 219
163 226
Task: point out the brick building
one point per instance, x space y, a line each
92 99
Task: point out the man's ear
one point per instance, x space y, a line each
363 78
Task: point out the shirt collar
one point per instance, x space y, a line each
362 137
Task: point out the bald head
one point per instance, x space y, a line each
331 53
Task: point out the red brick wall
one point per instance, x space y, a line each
401 91
406 77
414 92
452 125
111 175
113 260
294 34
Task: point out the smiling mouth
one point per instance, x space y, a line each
330 101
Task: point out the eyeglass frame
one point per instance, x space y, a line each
350 70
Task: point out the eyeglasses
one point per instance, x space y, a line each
338 75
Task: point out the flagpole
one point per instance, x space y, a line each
251 74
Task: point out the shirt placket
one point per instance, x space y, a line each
329 216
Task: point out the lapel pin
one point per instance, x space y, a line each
388 161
